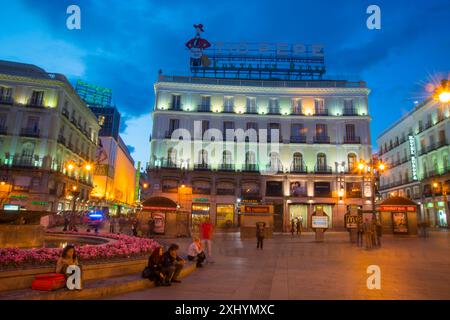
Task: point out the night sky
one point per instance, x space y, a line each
123 44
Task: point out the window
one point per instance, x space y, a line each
274 107
321 130
5 94
205 126
3 118
228 104
274 130
172 157
350 131
348 106
319 106
33 123
174 124
321 161
275 163
297 162
351 162
274 188
250 158
206 103
251 105
101 120
203 157
297 106
37 98
176 102
442 139
226 158
297 129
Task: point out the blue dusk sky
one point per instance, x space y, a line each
123 44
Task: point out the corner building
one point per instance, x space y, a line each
323 134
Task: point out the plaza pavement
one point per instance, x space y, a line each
299 268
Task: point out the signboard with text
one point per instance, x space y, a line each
319 222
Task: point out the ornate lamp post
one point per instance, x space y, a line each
372 170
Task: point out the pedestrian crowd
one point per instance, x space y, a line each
369 234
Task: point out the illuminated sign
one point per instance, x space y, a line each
319 222
256 209
11 207
412 149
398 208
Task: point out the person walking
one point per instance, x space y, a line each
367 229
359 234
379 232
111 224
260 231
66 223
299 226
292 226
206 236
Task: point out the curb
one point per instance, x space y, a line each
117 288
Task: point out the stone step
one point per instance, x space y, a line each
93 289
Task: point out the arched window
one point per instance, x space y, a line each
297 163
27 153
250 160
172 156
226 157
321 161
275 163
445 163
351 158
203 157
425 171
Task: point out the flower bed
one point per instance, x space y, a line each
124 247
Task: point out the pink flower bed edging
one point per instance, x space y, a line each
124 247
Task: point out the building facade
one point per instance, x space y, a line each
416 151
220 143
48 140
114 177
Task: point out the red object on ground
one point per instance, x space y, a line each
206 230
49 282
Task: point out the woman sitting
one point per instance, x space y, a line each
68 258
195 251
155 264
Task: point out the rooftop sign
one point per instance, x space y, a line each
246 60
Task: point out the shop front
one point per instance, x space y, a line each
200 213
251 215
302 212
225 215
398 215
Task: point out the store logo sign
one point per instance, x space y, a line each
412 149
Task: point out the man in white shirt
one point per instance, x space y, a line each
195 252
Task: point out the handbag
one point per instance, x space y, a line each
49 282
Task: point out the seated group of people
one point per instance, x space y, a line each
163 268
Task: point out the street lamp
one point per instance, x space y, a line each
442 93
374 169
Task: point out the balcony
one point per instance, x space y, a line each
23 161
228 109
299 168
348 112
320 169
321 112
298 139
273 139
226 167
203 108
3 130
433 147
6 100
251 110
168 164
175 107
352 140
35 104
30 132
278 168
274 111
250 168
321 139
201 166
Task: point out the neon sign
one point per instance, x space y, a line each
412 149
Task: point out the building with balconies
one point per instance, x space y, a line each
48 140
416 151
219 143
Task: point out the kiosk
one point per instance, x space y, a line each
253 214
398 215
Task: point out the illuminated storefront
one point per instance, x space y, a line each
200 213
225 215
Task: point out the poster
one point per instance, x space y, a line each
160 222
319 222
298 189
400 222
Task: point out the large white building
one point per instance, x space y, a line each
323 132
416 150
48 140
